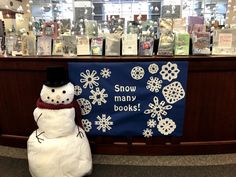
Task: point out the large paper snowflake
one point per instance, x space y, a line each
89 79
151 123
98 96
78 90
166 126
147 133
153 68
154 84
157 109
85 106
87 125
169 71
173 92
137 73
104 123
105 73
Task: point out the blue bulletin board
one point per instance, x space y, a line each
131 98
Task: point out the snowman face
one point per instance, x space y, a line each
58 95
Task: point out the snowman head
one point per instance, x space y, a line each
57 89
57 95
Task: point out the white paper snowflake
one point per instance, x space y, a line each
173 92
166 126
157 109
137 73
154 84
78 90
153 68
89 79
105 73
87 125
104 123
85 106
98 96
151 123
169 71
147 133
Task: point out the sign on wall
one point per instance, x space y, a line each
130 98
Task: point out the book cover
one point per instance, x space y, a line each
83 47
132 27
97 46
57 47
192 20
9 44
166 44
224 42
179 25
65 27
25 45
201 43
50 29
182 42
112 45
199 28
31 44
91 28
116 25
44 45
129 44
17 47
166 25
146 45
69 46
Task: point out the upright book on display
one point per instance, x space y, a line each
166 44
83 45
57 47
97 46
69 46
112 45
44 46
201 43
9 44
129 44
146 45
182 42
91 28
224 42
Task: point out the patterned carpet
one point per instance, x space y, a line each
14 167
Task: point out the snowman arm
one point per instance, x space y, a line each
38 138
80 133
38 117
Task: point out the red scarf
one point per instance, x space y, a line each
74 104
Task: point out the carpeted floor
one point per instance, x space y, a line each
13 167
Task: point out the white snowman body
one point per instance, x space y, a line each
58 148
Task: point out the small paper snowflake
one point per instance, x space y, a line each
85 106
151 123
147 133
173 92
89 79
153 68
104 123
78 90
154 84
98 96
166 126
169 71
137 73
157 109
105 73
87 125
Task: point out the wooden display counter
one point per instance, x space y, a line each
210 117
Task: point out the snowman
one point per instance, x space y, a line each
58 148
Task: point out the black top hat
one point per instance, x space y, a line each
56 77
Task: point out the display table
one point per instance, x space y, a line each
210 117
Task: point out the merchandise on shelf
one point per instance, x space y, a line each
97 46
146 44
201 43
57 47
166 44
44 45
129 44
182 41
112 45
83 47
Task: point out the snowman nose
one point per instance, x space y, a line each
58 97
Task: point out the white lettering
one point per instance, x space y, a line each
120 88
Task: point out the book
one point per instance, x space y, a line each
97 46
57 47
129 44
9 44
146 45
179 25
17 47
91 28
112 47
116 25
44 45
69 46
192 20
50 29
83 47
201 43
132 27
25 45
166 44
31 44
65 27
224 42
166 25
182 42
199 28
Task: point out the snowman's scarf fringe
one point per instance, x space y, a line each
73 104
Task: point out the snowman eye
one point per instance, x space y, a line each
64 91
53 90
